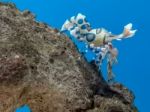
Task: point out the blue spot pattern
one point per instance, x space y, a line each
80 21
84 49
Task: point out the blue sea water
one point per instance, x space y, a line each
133 69
23 108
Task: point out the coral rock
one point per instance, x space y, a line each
43 69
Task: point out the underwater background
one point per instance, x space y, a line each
133 69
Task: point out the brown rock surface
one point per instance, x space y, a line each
43 69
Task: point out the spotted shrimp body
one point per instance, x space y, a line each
98 40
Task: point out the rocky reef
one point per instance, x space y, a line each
42 68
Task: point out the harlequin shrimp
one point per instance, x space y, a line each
98 40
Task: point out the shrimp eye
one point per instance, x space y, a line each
98 31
